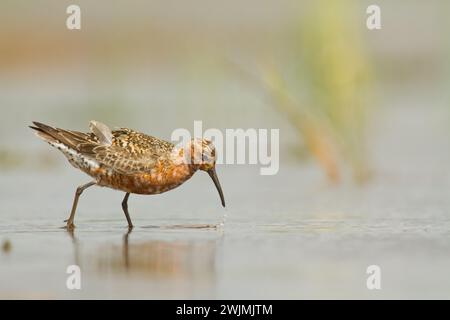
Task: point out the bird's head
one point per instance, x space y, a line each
203 155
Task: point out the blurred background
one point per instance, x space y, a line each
364 141
310 68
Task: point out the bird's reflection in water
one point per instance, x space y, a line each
173 264
161 258
76 247
185 257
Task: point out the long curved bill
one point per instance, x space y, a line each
213 175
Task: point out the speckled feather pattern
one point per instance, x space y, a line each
134 162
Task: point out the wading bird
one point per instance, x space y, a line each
129 161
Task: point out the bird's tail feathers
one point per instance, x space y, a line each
45 132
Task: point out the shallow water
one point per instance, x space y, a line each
291 235
308 241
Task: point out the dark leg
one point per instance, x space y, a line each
125 210
78 193
126 254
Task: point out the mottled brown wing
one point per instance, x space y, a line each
132 152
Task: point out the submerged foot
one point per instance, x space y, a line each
70 226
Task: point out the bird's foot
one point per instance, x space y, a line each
70 226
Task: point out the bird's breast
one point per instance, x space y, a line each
158 180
